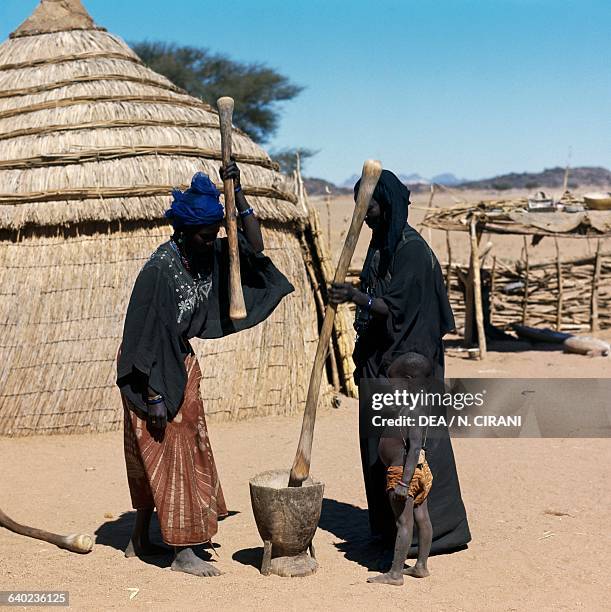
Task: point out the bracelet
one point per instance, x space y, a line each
247 212
237 189
151 401
406 485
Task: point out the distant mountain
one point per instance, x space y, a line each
413 179
447 178
550 177
350 182
317 186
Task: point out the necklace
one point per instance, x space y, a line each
183 258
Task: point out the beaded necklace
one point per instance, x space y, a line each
183 258
198 277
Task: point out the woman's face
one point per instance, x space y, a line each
200 239
374 215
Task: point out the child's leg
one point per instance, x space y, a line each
425 538
404 513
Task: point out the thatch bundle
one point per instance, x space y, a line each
91 144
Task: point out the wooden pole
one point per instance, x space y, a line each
560 288
469 333
237 308
301 465
328 206
477 291
449 270
430 232
527 273
492 287
79 543
320 307
594 322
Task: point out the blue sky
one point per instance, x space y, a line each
476 88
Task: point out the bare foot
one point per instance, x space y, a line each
145 549
187 561
387 579
416 571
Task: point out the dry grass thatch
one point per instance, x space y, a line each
91 144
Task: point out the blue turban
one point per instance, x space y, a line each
198 205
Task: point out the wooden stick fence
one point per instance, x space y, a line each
573 295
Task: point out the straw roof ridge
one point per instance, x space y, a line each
88 132
73 101
24 91
60 59
56 16
63 159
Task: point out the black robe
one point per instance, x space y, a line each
169 306
401 269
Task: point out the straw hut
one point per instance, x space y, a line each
565 294
91 144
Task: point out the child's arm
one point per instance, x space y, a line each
411 460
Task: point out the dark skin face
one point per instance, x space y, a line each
374 214
340 293
199 239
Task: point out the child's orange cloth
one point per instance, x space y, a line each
419 485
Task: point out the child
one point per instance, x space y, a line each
408 481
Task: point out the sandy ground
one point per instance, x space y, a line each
538 509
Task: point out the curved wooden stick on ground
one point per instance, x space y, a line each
76 542
237 308
301 465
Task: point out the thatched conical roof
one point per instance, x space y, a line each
89 133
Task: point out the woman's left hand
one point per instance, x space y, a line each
231 171
341 292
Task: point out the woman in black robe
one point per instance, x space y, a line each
181 293
403 307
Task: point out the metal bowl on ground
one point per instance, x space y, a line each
598 200
541 203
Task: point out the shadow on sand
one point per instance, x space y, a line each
348 523
249 556
116 534
351 525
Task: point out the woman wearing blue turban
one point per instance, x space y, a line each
181 293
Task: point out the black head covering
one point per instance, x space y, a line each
393 197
